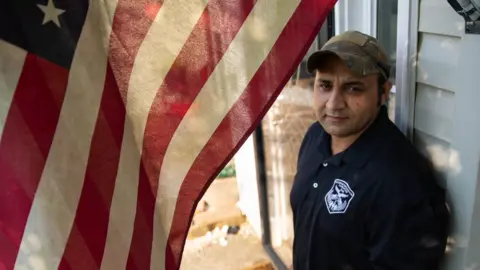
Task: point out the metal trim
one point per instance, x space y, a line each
276 260
472 27
372 8
263 199
406 68
470 13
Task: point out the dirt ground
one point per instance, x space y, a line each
219 251
220 238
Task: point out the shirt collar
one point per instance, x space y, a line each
362 149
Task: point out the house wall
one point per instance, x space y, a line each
446 124
246 172
360 15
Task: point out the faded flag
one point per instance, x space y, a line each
116 115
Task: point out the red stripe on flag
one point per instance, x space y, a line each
251 107
89 233
217 26
131 23
25 145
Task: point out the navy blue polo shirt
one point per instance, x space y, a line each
374 206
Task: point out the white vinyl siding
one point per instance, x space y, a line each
437 17
438 54
447 119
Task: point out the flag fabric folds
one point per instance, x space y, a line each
116 115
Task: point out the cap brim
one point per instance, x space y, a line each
359 65
313 62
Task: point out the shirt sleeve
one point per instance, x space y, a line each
406 229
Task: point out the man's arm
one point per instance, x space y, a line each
405 229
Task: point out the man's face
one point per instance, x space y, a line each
345 104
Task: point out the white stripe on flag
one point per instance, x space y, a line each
12 59
165 38
58 193
228 81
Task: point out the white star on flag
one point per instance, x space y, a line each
51 13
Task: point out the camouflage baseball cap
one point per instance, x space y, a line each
362 54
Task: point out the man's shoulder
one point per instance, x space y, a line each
403 167
398 156
408 177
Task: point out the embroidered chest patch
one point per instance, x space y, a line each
338 197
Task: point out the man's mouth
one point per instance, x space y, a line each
336 118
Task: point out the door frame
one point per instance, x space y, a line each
406 68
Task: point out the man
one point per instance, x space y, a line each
363 196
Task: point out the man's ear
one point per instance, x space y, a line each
386 88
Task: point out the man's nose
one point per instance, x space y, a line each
336 100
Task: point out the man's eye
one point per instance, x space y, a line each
325 86
354 89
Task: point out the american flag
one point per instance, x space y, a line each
116 115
